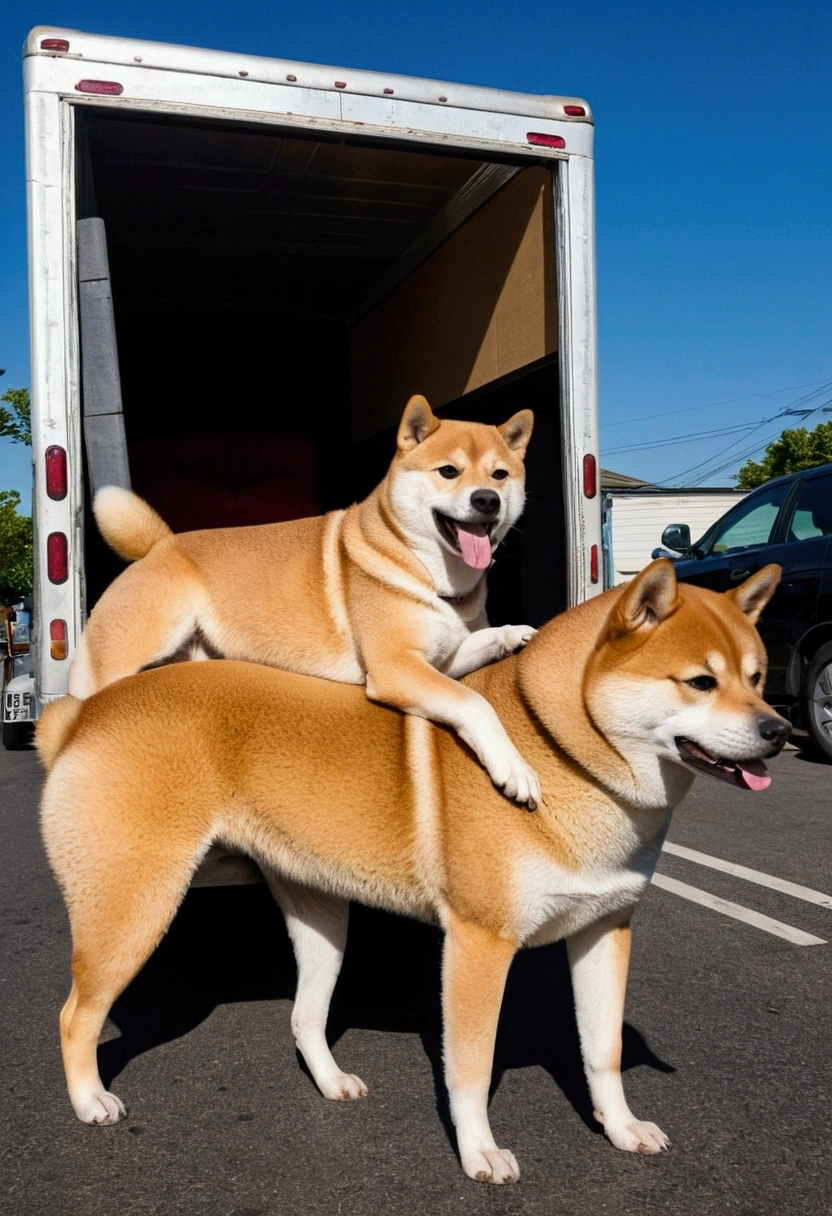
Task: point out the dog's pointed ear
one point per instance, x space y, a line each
418 421
518 431
647 601
752 596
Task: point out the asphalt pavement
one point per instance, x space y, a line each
726 1046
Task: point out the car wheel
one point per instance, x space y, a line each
817 701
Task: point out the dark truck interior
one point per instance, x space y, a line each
277 297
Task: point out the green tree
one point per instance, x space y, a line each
794 451
16 564
16 423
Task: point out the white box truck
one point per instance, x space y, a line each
242 267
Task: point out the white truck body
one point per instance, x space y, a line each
636 518
148 134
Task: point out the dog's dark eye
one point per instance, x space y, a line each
755 679
702 683
448 471
500 474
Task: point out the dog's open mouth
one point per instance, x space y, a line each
472 541
747 774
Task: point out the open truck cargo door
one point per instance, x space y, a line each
291 252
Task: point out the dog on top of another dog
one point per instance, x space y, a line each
618 703
389 593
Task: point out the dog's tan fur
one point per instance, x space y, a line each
339 799
370 595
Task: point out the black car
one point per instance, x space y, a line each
787 521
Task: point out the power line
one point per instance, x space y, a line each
787 411
820 384
747 453
704 464
690 438
709 469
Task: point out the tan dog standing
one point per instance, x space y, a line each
389 593
617 702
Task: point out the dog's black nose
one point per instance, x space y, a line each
774 730
486 501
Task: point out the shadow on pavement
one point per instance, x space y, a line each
230 944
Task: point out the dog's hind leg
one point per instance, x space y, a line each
317 927
116 921
110 945
82 1018
474 969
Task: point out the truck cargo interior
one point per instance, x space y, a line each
279 296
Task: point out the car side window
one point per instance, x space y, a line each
812 514
751 523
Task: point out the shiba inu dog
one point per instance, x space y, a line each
389 593
618 703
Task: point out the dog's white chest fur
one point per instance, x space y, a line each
553 903
444 631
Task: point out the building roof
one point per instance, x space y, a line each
619 481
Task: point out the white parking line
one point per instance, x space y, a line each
764 880
796 936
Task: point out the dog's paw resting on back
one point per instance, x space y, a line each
515 637
523 786
517 780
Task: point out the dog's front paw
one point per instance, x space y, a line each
522 785
100 1108
344 1087
496 1165
638 1137
515 637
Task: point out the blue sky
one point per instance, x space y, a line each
714 180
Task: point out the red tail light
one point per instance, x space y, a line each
57 637
57 557
593 564
575 111
54 44
590 476
110 87
56 473
545 141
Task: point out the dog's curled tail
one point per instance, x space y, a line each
128 524
55 727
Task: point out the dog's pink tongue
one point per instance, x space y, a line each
475 545
755 775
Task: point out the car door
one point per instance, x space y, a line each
802 549
733 548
